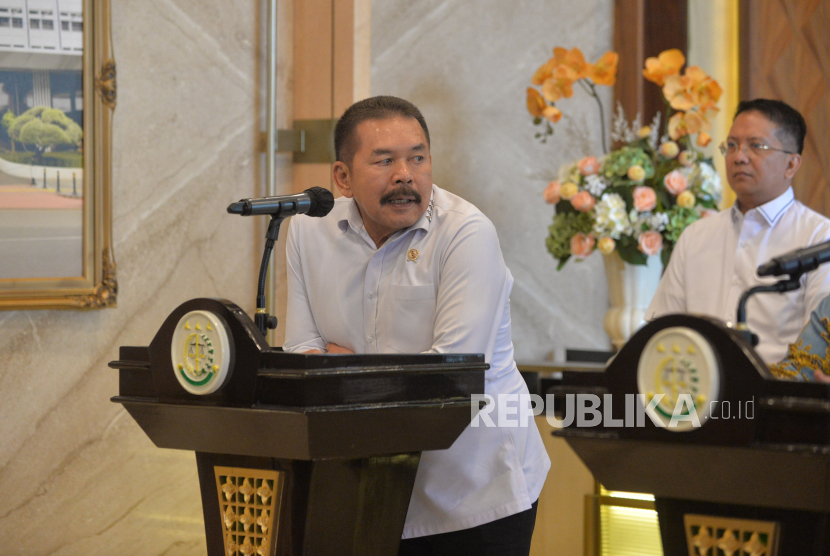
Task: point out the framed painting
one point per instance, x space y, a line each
57 96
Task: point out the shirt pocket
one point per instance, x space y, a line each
411 318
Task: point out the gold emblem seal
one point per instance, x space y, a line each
201 352
412 255
679 365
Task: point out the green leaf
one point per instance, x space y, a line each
630 252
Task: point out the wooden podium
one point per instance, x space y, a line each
297 454
752 479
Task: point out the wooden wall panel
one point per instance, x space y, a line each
331 53
643 29
785 55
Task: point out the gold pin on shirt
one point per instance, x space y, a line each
412 255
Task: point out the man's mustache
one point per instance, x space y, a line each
401 191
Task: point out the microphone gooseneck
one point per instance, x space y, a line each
315 201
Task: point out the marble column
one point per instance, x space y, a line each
466 65
77 475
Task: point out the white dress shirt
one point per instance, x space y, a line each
453 298
716 260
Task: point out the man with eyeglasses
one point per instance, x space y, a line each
716 258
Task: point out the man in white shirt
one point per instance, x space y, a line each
716 258
400 265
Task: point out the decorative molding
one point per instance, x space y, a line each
106 85
249 509
708 535
106 292
96 287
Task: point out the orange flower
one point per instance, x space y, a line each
575 63
582 201
694 88
544 72
559 54
535 103
552 114
677 126
582 245
686 123
703 139
557 87
678 93
650 242
666 64
604 72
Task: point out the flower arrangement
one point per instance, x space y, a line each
637 199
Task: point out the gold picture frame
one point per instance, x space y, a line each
96 287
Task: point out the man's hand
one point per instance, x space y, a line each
334 349
819 376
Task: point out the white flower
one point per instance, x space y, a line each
595 184
658 221
610 216
647 221
710 181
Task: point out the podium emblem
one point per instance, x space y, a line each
679 366
201 352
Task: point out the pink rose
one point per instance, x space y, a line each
675 182
645 198
651 242
588 166
582 201
582 245
551 193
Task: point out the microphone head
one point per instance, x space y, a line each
237 208
322 201
769 268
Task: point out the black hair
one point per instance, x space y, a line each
787 118
373 108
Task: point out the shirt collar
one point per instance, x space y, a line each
771 211
351 218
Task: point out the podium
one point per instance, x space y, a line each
750 478
296 454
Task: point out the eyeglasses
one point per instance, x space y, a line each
756 149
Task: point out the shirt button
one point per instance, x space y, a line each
368 339
370 295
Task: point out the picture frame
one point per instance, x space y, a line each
95 285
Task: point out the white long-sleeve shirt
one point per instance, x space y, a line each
451 295
716 260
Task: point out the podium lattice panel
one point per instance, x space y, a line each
720 536
249 508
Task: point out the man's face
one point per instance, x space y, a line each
390 176
758 176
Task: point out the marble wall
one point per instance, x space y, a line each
77 475
466 65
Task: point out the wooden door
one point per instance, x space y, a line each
785 55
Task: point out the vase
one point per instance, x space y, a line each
630 289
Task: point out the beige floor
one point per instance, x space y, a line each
559 521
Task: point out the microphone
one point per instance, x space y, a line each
797 262
314 201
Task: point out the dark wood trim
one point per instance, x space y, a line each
642 29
